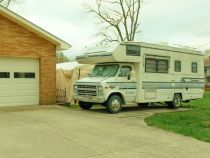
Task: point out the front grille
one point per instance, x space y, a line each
87 93
86 86
87 90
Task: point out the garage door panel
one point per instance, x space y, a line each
25 81
4 81
5 100
5 87
24 61
24 93
22 88
22 99
29 65
5 93
23 104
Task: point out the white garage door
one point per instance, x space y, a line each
19 81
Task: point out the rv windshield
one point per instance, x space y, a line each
104 70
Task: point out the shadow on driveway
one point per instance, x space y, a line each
135 108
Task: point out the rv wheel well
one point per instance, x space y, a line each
118 94
179 94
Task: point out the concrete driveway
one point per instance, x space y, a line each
58 132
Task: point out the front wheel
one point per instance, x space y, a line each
114 104
177 100
84 105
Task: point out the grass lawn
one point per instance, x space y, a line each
194 122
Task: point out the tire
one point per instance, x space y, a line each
168 103
84 105
176 103
114 104
143 104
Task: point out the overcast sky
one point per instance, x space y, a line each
181 22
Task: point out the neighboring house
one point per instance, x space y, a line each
207 73
207 54
27 61
207 69
61 58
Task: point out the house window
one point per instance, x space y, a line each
24 75
4 75
194 67
208 79
177 66
133 50
205 71
156 65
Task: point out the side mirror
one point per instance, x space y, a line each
129 76
120 75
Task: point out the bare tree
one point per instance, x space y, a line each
61 58
6 3
119 19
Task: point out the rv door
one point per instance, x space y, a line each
127 83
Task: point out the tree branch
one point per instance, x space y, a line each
5 3
136 20
125 19
120 15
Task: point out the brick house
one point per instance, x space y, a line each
27 61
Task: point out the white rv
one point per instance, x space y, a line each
135 72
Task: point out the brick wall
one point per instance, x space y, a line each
16 41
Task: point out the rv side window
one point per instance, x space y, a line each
177 66
151 65
194 67
133 50
163 66
124 71
156 65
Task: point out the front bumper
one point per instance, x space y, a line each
90 99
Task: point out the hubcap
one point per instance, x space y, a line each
177 101
115 104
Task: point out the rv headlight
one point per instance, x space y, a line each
75 89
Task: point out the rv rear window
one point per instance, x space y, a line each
194 67
177 66
133 50
156 65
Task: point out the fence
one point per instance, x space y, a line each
61 96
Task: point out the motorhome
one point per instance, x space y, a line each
136 72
